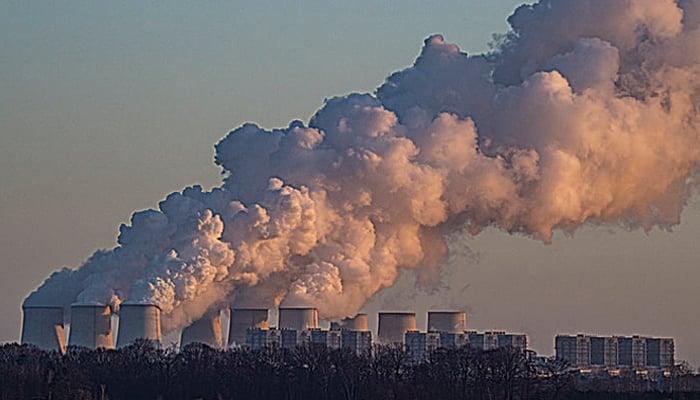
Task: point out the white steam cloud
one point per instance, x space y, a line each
584 112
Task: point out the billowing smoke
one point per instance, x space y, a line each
584 113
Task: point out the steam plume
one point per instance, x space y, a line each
584 112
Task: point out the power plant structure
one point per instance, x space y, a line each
139 321
91 326
43 327
243 319
298 318
584 351
206 330
393 326
447 321
357 323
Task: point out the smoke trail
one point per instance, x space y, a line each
584 113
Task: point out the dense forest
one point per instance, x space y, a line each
142 371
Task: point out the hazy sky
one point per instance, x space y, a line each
105 108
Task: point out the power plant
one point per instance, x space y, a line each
250 327
393 326
206 330
299 319
43 327
447 321
91 326
243 319
138 321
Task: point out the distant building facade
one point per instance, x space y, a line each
585 351
490 340
359 341
421 344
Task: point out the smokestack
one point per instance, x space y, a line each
43 327
138 321
447 321
394 325
298 318
91 326
357 323
206 330
244 318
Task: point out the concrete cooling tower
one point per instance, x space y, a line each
206 330
298 318
91 326
394 325
244 318
358 323
43 327
138 321
447 321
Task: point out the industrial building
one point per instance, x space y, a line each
447 321
490 340
139 321
614 352
392 326
91 326
357 323
421 344
350 333
43 327
297 318
358 341
244 318
205 330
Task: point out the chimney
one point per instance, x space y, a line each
43 327
244 318
206 330
357 323
299 319
447 321
91 326
394 325
138 321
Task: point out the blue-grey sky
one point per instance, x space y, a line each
105 108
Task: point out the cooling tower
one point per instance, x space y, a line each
299 319
447 321
244 318
357 323
206 330
138 321
91 326
394 325
43 327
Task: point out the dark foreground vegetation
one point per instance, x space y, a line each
141 371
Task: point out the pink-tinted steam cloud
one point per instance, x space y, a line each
584 113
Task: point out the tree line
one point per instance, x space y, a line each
309 372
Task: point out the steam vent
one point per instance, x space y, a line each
206 330
91 326
138 321
43 327
244 318
394 325
299 319
447 321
